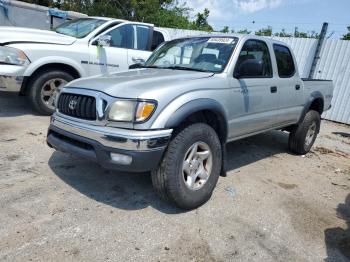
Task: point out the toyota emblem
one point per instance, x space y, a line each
72 104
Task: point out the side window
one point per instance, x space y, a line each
284 59
122 36
256 50
142 33
158 38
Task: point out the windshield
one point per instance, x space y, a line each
80 27
207 54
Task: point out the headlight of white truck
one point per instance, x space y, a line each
129 111
13 56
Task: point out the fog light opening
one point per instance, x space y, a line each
121 159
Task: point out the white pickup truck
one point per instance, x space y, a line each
37 62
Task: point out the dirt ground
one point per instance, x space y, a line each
273 206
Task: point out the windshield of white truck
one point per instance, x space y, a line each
79 28
205 54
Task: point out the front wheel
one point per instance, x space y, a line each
44 88
190 168
303 136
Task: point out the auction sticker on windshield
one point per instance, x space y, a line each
222 40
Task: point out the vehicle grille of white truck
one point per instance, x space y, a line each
79 106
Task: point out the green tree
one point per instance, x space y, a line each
283 33
201 22
347 36
244 31
299 34
40 2
225 29
165 13
264 31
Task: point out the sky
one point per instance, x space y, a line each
307 15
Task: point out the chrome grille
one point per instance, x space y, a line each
79 106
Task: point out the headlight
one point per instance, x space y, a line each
130 111
13 56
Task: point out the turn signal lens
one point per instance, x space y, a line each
144 111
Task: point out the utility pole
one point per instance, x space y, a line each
318 49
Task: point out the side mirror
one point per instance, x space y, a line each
249 68
104 40
135 66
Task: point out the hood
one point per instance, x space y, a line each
135 83
20 34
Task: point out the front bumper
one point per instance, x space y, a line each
11 78
97 143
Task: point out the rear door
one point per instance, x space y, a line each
254 96
290 86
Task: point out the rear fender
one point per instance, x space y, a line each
314 95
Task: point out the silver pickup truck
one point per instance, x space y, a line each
174 114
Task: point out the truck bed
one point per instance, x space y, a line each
325 87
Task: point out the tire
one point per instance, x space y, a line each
300 138
173 184
46 81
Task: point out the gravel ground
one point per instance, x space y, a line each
272 205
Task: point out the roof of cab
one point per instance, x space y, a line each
240 36
107 19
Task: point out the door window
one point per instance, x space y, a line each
142 37
158 38
122 37
284 59
258 50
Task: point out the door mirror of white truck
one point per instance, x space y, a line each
249 68
104 40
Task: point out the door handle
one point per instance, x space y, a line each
297 87
137 60
273 89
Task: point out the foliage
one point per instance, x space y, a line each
347 36
225 29
201 22
283 34
269 32
264 31
244 31
164 13
313 34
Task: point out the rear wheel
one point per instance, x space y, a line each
44 88
303 136
190 168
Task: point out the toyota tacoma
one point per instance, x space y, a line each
174 114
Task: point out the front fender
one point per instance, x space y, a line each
173 116
192 107
54 60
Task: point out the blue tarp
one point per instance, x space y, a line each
57 13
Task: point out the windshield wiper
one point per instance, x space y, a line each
187 68
175 68
150 66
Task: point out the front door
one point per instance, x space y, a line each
113 58
254 94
